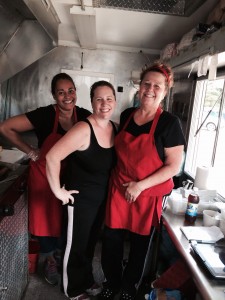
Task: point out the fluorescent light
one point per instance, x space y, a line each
85 23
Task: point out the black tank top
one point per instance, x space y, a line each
88 171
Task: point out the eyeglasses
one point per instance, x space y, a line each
70 92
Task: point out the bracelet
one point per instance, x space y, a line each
33 155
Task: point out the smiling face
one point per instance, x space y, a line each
153 89
65 94
103 102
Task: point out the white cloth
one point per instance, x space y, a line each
203 63
213 67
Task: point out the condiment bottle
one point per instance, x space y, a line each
192 206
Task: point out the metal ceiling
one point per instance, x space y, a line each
170 7
30 29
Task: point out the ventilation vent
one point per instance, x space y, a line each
169 7
46 4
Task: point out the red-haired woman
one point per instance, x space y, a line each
149 149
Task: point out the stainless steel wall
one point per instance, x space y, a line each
30 88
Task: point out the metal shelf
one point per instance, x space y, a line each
209 44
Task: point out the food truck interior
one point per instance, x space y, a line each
113 40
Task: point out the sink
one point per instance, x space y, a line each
14 179
11 156
10 160
7 171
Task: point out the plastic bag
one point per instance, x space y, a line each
164 294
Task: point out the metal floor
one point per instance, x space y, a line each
39 289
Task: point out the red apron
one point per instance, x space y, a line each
137 158
45 210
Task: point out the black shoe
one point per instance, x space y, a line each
126 296
106 294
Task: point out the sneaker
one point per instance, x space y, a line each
83 296
94 290
126 296
106 294
57 257
51 272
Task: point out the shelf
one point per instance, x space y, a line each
209 44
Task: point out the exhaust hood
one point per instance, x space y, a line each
23 40
181 8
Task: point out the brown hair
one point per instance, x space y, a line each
101 83
60 76
162 68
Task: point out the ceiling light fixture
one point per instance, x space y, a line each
85 23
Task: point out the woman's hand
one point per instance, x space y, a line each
133 190
66 196
34 154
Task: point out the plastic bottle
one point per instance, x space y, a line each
192 206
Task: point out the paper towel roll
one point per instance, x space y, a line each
203 178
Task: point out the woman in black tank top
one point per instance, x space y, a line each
90 147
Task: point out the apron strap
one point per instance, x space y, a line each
155 120
57 118
128 120
75 114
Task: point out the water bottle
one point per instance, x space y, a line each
192 206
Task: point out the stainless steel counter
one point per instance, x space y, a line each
209 288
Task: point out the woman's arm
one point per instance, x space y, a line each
77 138
11 129
173 160
171 166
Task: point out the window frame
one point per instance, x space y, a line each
190 165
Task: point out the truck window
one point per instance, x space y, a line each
206 143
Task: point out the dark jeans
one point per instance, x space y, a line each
48 243
128 278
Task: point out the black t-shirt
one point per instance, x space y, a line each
168 132
43 119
